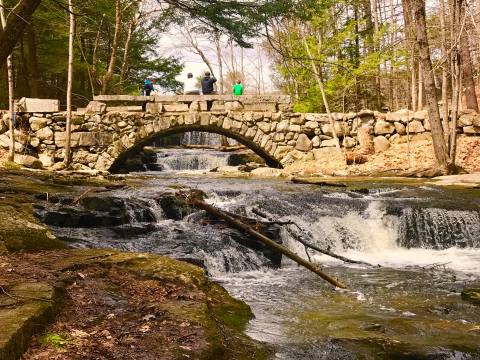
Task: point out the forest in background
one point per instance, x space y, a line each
367 57
330 55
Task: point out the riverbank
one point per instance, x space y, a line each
87 303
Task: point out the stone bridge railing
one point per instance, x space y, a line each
103 136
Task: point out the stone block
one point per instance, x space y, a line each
218 106
316 142
176 107
154 108
383 127
86 139
282 126
312 124
96 107
264 126
233 106
381 143
5 143
415 126
400 128
297 120
341 129
295 128
36 123
303 143
205 119
278 137
471 129
31 105
44 134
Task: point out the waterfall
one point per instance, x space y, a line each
190 159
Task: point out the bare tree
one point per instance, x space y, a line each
71 38
417 10
11 101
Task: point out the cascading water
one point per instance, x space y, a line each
426 240
190 159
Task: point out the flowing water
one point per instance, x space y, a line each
423 241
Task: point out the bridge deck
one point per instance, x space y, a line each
135 99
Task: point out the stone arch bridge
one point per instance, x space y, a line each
113 127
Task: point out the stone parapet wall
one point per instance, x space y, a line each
100 138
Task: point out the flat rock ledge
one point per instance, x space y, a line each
24 309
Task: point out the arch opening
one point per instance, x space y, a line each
248 143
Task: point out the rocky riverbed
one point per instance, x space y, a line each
67 304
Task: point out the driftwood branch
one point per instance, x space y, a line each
309 245
262 238
306 243
317 182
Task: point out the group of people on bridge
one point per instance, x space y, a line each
191 86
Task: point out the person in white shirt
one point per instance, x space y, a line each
190 86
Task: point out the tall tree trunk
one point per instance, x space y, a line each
318 78
466 62
417 8
409 33
71 38
16 22
113 55
11 101
220 63
445 67
123 70
32 61
420 87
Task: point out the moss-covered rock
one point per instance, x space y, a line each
26 309
472 295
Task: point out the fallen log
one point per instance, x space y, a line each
319 183
263 239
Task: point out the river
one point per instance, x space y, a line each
423 243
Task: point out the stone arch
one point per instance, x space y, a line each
124 148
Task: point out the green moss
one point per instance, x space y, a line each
54 340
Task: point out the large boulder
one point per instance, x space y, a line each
383 127
381 143
28 161
415 126
303 143
400 128
37 123
44 133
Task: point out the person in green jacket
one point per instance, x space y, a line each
238 88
